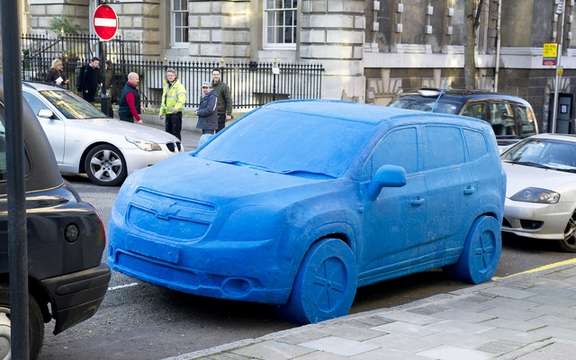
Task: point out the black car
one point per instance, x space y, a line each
511 117
66 239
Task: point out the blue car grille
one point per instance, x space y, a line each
169 216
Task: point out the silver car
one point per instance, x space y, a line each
84 140
541 192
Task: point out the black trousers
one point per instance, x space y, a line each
221 122
174 124
127 118
208 131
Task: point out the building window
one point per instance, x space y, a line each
280 18
179 21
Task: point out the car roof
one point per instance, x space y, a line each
565 137
466 95
38 86
365 113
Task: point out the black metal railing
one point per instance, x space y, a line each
251 84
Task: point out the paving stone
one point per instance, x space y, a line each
556 332
458 327
403 342
387 354
508 292
405 328
463 340
339 346
514 335
351 332
513 324
227 356
454 353
500 347
409 317
319 355
370 321
303 336
429 309
556 351
561 301
272 350
552 320
468 316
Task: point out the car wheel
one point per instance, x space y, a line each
325 285
36 326
568 244
482 249
105 165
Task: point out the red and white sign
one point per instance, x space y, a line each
105 22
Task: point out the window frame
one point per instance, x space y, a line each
173 12
426 147
266 45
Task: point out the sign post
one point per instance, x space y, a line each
550 54
105 24
561 9
17 238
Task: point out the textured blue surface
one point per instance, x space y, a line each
243 216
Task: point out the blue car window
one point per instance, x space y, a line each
291 143
476 144
444 147
400 147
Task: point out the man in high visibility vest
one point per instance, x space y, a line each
173 101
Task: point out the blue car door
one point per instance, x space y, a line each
395 222
444 159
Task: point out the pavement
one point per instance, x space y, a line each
527 316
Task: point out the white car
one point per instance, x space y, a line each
541 191
84 140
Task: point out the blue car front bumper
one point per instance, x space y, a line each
247 271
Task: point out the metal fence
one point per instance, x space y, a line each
251 84
74 50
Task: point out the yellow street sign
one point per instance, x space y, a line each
550 50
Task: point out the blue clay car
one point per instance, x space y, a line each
301 202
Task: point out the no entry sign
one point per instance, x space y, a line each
105 22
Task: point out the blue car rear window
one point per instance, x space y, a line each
291 143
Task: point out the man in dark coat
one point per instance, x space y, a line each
129 107
89 79
224 99
207 111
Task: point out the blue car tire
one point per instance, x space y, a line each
481 254
325 285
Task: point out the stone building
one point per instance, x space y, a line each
371 49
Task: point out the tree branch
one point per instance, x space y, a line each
477 15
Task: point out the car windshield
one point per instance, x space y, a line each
544 153
290 143
71 105
427 104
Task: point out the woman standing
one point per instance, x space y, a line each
56 74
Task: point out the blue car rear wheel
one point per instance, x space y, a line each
481 254
325 285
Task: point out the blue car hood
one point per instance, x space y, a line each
191 177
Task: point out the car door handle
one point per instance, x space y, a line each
469 190
419 201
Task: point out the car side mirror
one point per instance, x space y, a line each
46 114
387 176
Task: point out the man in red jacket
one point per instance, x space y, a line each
129 106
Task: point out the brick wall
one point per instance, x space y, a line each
42 12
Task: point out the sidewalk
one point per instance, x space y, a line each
527 316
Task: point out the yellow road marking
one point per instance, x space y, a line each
540 268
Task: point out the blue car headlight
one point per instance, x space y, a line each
537 195
251 223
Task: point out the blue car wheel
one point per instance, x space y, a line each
325 285
481 254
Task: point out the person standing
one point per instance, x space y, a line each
207 115
89 79
173 101
129 106
56 74
224 100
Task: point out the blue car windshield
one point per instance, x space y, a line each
291 143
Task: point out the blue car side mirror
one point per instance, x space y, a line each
387 176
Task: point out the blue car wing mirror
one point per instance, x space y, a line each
387 176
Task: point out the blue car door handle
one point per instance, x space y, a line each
469 190
417 201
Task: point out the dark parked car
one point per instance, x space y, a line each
511 117
65 243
